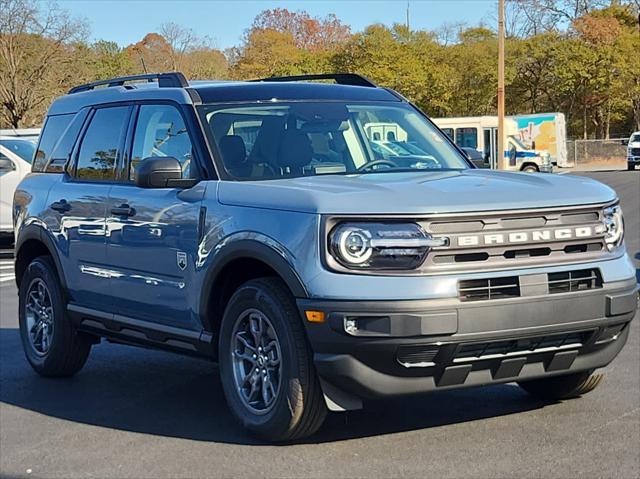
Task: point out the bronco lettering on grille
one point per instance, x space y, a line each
533 236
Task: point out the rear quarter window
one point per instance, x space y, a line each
52 131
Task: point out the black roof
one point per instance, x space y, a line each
288 91
173 86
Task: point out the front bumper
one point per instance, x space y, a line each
546 168
409 347
634 162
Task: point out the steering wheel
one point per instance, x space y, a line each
373 163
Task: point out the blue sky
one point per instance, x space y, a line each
127 21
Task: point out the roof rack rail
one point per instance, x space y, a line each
340 78
165 80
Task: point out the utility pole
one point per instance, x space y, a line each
408 27
501 160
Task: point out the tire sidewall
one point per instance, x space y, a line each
41 269
287 407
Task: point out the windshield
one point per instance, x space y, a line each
266 141
635 138
24 148
518 143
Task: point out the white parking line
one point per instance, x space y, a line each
6 271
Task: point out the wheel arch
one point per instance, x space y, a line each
240 261
32 242
529 163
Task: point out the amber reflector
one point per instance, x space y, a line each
315 316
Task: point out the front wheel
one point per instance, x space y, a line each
51 344
266 364
530 169
562 387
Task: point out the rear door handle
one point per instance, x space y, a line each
61 206
123 210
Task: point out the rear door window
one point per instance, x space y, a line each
101 145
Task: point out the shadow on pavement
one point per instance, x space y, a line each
158 393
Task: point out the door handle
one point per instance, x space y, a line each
61 206
123 210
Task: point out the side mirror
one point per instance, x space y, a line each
533 145
624 141
158 172
6 164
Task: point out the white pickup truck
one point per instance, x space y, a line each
633 152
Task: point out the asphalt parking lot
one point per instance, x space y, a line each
137 413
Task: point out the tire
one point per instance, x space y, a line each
563 387
66 349
295 407
530 169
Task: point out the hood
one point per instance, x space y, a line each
416 193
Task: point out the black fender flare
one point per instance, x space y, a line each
34 231
271 254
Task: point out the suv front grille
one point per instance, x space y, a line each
635 151
508 239
490 288
570 281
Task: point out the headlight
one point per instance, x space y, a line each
400 246
614 226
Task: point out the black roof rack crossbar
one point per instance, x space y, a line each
340 78
165 80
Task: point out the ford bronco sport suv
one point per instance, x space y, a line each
255 224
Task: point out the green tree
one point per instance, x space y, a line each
267 53
410 62
474 61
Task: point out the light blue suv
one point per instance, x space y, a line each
259 224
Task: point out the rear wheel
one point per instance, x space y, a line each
51 344
563 387
266 364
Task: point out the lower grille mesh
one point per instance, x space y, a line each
417 355
490 288
469 352
570 281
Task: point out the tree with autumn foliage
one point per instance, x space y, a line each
579 57
309 33
282 42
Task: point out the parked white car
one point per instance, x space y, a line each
633 152
16 155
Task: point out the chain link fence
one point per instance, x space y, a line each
592 155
